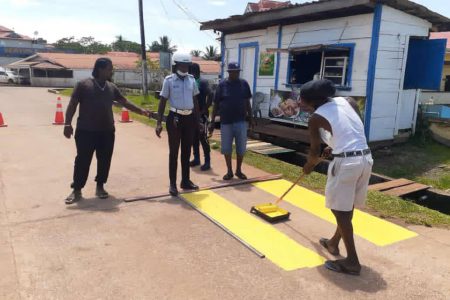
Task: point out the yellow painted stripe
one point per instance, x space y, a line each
275 245
375 230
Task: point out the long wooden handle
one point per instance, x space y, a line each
292 186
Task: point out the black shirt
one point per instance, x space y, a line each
205 91
95 112
232 97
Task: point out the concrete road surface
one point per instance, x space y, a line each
108 249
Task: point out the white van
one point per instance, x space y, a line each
8 76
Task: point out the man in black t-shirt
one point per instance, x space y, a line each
201 135
95 126
233 100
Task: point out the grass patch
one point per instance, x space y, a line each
386 206
428 163
66 92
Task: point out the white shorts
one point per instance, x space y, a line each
347 183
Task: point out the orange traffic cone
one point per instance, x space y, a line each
2 123
125 116
59 116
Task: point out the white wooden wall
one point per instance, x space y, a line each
393 108
353 29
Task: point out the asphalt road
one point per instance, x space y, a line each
108 249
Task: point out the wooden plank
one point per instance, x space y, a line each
390 184
407 189
209 187
289 133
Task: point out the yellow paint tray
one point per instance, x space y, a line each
270 212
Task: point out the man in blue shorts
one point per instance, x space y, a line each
233 101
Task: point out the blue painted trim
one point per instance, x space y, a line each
351 47
348 80
372 67
255 69
289 70
223 52
339 87
277 68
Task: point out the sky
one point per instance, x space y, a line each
106 19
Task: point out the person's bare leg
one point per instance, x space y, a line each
333 243
228 161
344 221
240 159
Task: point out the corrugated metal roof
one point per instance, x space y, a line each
47 65
121 61
320 10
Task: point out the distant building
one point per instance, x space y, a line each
14 46
65 70
264 5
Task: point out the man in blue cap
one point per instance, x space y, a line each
233 100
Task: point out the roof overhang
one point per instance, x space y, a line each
320 10
312 48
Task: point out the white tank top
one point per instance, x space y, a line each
348 129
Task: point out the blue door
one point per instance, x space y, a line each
425 64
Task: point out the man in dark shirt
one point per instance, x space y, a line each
95 126
201 135
233 100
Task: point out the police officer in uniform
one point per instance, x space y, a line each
181 90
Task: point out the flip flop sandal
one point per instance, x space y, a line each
335 266
228 176
72 199
241 176
324 243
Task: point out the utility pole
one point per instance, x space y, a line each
144 53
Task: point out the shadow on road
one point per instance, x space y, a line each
95 204
370 281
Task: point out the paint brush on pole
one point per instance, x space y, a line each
271 212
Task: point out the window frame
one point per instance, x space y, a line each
349 70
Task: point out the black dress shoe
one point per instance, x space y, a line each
189 186
173 190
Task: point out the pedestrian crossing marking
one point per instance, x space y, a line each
275 245
375 230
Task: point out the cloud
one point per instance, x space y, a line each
217 2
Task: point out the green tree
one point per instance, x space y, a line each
163 45
196 53
211 53
69 43
120 44
86 45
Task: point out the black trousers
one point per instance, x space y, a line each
88 142
180 130
201 138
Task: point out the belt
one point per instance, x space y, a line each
353 153
183 112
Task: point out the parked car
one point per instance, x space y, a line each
7 76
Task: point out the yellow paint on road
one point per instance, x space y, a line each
275 245
375 230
